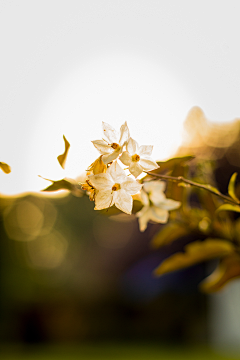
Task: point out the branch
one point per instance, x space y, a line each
209 188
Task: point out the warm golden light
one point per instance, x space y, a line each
48 251
25 220
112 87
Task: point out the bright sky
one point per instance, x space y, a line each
66 66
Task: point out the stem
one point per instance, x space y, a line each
180 179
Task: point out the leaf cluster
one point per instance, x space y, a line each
203 214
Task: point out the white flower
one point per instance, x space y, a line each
112 147
114 187
138 158
156 205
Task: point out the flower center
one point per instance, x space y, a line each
135 158
116 187
115 146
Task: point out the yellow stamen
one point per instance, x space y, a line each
91 191
135 158
115 146
116 187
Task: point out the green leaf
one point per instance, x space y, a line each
228 207
169 233
183 184
211 188
231 187
195 252
228 269
63 157
64 184
170 164
5 167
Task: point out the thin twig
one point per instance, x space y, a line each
180 179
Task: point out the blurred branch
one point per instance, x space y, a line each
182 181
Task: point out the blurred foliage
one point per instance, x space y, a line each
69 273
203 215
191 180
66 276
109 351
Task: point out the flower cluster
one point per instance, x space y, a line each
108 184
155 204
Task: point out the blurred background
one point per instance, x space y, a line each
72 275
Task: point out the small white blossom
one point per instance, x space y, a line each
112 147
114 187
156 205
138 158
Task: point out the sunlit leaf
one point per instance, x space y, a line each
231 186
98 166
212 188
5 167
172 163
195 252
228 269
228 207
169 165
183 184
62 158
169 233
64 184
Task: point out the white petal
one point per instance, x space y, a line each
169 204
124 134
145 150
157 197
159 215
131 186
109 158
143 211
102 147
103 200
101 181
123 201
126 158
151 186
148 164
144 198
143 217
110 133
117 173
132 146
135 169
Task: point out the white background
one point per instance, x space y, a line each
66 66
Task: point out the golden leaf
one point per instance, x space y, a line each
63 157
231 187
98 166
5 167
212 188
64 184
169 233
195 252
228 269
228 207
171 164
